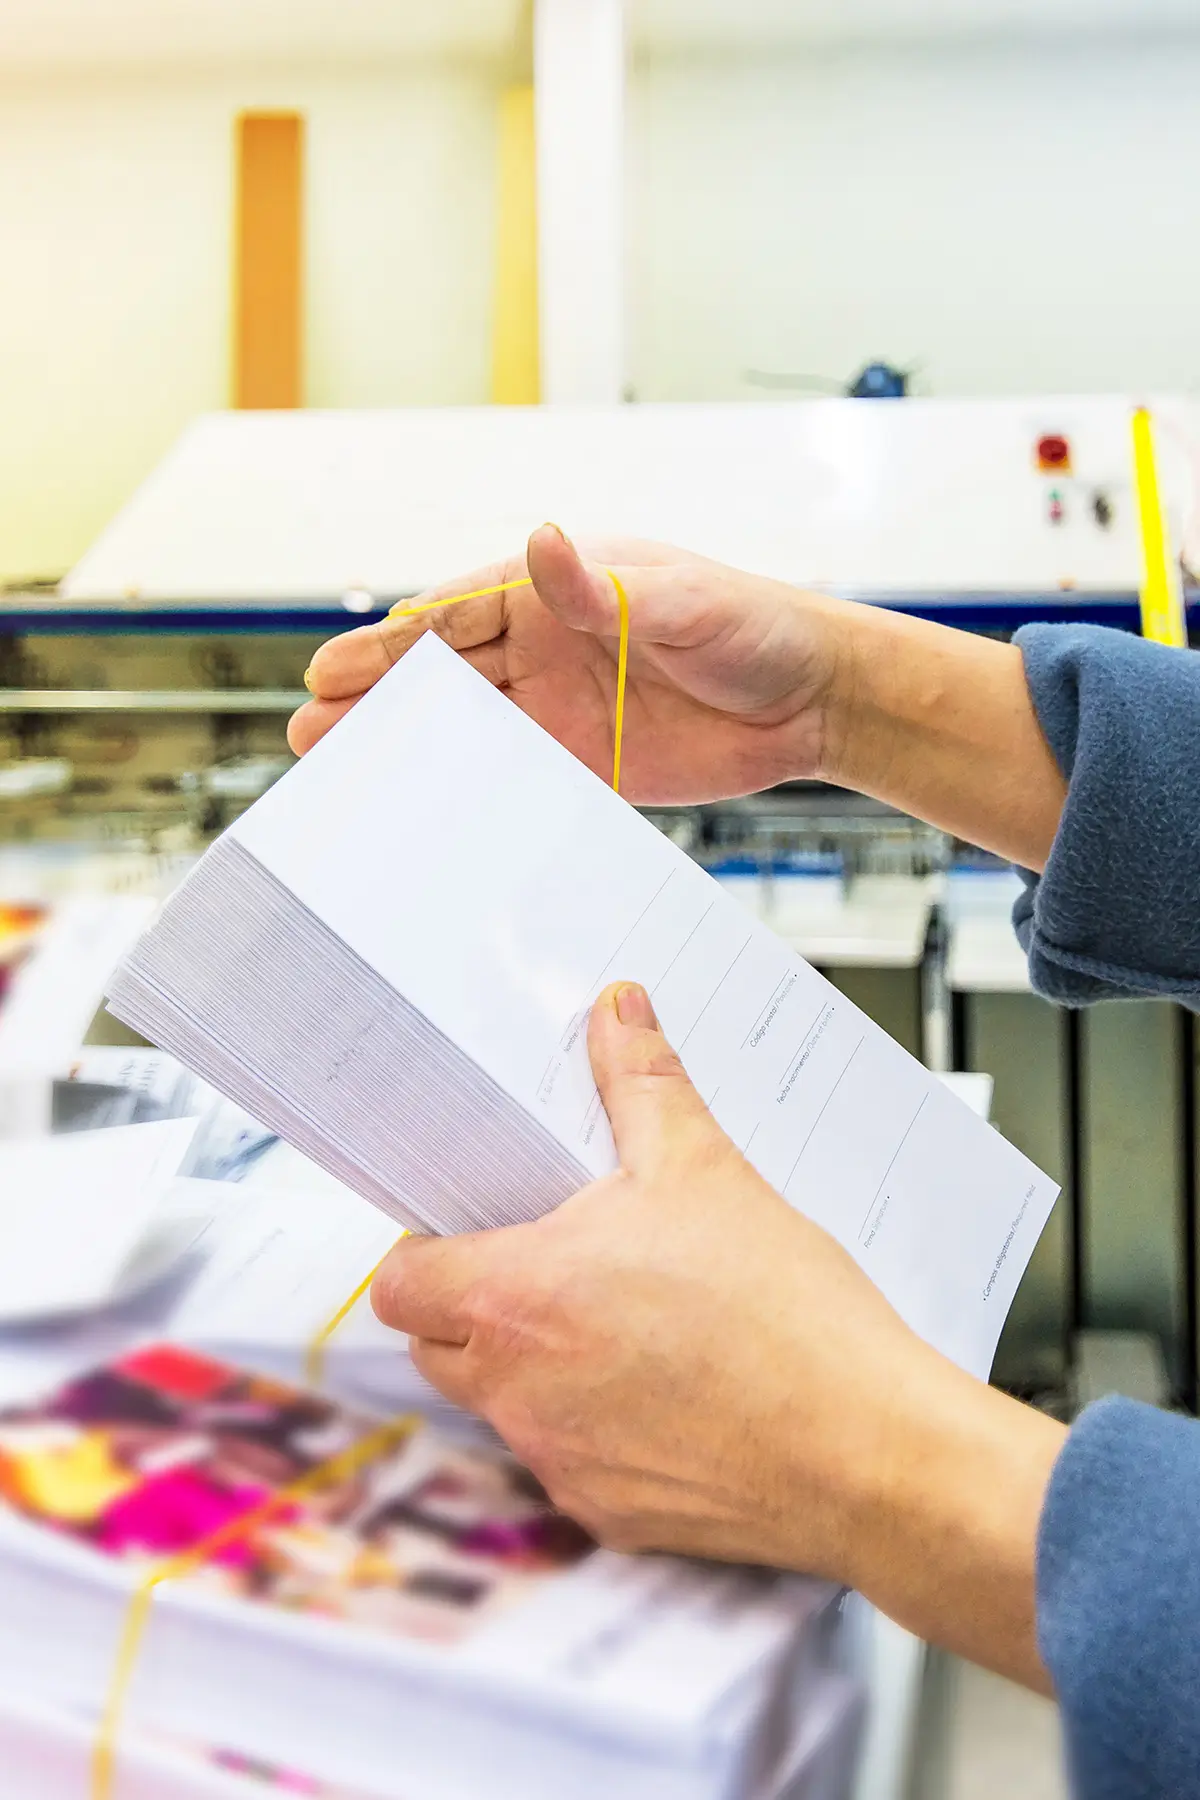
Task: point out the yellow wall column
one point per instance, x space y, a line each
268 329
515 377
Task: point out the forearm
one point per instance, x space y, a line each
940 723
943 1538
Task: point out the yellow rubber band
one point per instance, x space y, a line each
348 1462
622 673
314 1360
402 610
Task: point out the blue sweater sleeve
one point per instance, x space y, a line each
1116 912
1119 1601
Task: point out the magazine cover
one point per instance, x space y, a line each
149 1456
19 929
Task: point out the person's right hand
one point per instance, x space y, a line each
728 673
689 1364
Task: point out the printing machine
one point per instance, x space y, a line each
143 698
161 668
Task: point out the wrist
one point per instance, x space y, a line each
939 723
944 1534
875 698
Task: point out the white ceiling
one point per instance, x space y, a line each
102 33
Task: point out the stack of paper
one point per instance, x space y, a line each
391 957
105 1086
77 1217
421 1629
229 1144
248 1273
268 1266
258 1246
262 1266
46 1754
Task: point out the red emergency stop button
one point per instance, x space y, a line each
1053 453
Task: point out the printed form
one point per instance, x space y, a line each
500 886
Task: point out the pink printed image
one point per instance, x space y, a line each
151 1456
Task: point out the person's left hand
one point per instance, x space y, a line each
683 1360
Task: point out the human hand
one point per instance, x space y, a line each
688 1364
639 1347
727 672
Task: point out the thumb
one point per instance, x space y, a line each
650 1102
424 1284
581 594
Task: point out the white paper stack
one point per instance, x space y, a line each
229 1144
78 1216
391 957
251 1268
422 1630
46 1753
248 1272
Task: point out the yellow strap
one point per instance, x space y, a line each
1164 619
402 611
622 673
367 1449
314 1361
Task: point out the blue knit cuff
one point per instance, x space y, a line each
1118 1583
1117 911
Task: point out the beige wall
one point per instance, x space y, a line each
1011 217
115 196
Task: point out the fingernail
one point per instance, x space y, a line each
634 1008
551 526
308 679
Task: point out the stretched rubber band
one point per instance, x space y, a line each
404 611
622 674
314 1360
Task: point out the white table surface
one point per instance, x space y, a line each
879 921
983 955
972 1087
